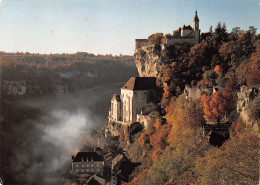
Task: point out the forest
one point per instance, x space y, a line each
175 148
77 71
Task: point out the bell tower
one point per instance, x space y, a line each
196 22
196 28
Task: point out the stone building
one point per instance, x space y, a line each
194 93
135 95
187 35
115 110
87 162
245 96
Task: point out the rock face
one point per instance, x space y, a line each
148 62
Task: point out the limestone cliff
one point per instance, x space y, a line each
148 62
149 59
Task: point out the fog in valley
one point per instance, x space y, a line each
39 135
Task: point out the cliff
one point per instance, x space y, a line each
149 59
148 62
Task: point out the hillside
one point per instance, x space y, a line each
212 138
58 74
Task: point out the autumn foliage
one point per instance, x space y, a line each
178 151
214 107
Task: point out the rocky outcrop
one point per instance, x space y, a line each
148 61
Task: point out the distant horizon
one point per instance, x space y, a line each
24 52
102 27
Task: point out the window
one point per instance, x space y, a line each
98 170
82 170
77 170
82 166
92 165
92 170
87 165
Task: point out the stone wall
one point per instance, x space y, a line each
88 167
181 40
133 102
194 93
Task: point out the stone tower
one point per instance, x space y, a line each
196 27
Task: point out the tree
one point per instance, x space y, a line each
183 116
138 179
254 109
155 38
214 107
237 162
220 34
144 141
254 67
159 138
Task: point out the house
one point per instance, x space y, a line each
194 93
245 96
187 35
135 95
115 110
87 162
118 160
122 168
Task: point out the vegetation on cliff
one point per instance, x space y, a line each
178 151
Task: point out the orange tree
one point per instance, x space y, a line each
215 106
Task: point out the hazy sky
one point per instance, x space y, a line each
109 26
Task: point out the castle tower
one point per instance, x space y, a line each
196 22
196 27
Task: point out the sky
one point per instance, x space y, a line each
110 26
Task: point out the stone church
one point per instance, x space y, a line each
135 95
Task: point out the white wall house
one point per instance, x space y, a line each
135 95
115 110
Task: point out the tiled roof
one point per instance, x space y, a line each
87 156
140 83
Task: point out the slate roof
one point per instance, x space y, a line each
119 159
87 156
196 18
140 83
95 181
186 27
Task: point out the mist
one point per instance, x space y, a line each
39 135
